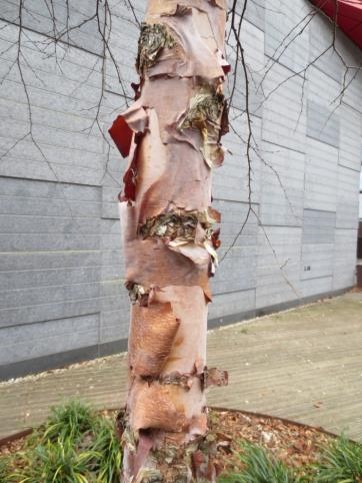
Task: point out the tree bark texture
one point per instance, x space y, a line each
171 134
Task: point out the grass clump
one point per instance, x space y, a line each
260 466
69 421
75 445
59 462
106 444
341 462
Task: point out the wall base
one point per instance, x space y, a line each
63 359
359 274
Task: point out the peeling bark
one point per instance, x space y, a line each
172 137
154 39
152 333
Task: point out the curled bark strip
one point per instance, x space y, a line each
219 3
140 456
131 125
130 176
196 254
177 176
187 233
210 377
134 120
188 354
137 293
205 109
226 67
178 379
158 407
137 117
141 295
152 333
207 113
216 243
164 408
215 377
197 40
156 265
121 134
154 38
178 10
183 226
137 91
136 459
214 259
170 226
224 125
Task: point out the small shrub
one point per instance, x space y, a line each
341 461
69 421
260 466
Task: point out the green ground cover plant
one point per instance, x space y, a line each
260 466
340 462
75 445
71 420
79 445
57 461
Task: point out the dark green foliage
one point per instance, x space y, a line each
341 462
70 420
74 446
57 462
106 444
260 467
78 446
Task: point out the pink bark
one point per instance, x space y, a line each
172 135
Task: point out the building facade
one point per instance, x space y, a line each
61 270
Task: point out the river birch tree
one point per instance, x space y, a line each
171 134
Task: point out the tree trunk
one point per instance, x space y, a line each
172 135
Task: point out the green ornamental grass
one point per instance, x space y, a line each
58 462
106 445
74 446
78 446
69 421
341 462
260 466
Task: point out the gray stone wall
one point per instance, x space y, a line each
61 287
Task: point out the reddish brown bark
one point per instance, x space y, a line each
172 136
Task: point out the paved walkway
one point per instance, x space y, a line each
303 364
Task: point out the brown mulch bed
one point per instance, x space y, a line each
14 444
295 444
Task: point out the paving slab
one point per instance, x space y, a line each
303 364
